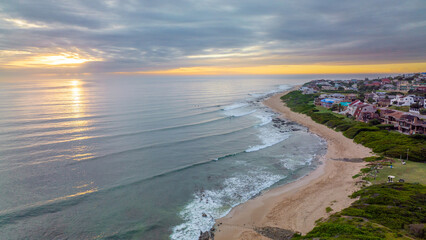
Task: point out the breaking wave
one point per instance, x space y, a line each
206 206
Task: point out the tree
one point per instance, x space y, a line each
334 107
374 122
415 105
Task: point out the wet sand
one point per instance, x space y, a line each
297 205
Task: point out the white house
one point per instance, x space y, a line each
403 100
337 95
309 91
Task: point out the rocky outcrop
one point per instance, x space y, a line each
275 233
286 126
207 235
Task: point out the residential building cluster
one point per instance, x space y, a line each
397 101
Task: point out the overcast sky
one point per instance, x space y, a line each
128 36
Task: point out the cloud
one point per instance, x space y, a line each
147 35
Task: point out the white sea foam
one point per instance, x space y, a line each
269 137
294 164
265 118
234 106
240 113
238 109
217 203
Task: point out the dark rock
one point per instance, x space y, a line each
275 233
204 215
204 235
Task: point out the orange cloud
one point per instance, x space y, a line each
291 69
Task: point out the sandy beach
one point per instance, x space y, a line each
296 206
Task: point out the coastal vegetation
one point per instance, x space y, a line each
383 211
387 143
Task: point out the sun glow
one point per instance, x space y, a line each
62 59
291 69
21 23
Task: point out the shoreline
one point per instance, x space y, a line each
297 205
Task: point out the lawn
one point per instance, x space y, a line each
326 110
400 108
411 172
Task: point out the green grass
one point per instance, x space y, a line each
328 209
400 108
414 172
383 211
322 109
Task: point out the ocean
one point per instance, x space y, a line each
137 157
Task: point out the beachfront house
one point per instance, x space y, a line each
373 96
389 116
411 124
365 112
350 97
352 107
403 100
308 91
403 122
337 96
383 102
328 102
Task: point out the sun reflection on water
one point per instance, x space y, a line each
77 109
77 106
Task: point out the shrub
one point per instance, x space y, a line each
374 122
393 144
343 127
385 126
355 130
373 158
382 210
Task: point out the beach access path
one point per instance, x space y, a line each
297 205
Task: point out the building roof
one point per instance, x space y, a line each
355 103
395 114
